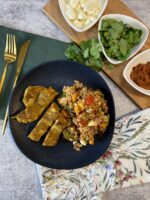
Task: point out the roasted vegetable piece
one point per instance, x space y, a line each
45 122
34 111
31 94
71 134
54 133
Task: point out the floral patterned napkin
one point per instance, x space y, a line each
126 163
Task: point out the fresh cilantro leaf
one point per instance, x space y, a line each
88 52
123 47
118 38
72 51
110 66
85 53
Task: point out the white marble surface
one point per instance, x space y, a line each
18 175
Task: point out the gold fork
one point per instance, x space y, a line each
10 56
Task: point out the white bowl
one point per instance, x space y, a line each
143 57
131 22
103 4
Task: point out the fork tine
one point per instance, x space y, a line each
6 47
11 45
14 41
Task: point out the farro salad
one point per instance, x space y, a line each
88 113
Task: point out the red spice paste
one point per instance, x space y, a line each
141 75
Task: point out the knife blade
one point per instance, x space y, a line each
21 58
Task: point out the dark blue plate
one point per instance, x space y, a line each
63 156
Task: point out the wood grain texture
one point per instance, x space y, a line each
51 9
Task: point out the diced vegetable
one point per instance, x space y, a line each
89 100
74 96
83 122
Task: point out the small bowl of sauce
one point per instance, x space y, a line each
141 75
137 72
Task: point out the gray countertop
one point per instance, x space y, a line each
18 175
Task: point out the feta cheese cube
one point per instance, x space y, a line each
70 13
78 23
82 15
74 3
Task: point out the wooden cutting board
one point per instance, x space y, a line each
116 74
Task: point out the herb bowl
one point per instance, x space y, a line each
103 4
143 57
131 22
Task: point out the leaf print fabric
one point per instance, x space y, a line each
126 163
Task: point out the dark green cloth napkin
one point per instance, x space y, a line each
42 49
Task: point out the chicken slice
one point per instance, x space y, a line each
31 94
34 111
51 114
54 133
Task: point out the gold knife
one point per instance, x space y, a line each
21 58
